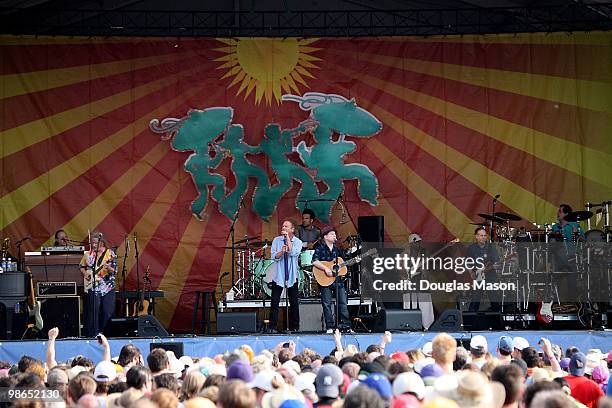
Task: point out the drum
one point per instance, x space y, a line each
266 275
595 235
306 258
259 266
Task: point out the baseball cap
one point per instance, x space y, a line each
328 379
406 401
577 364
520 343
292 404
263 380
414 238
478 342
505 344
380 384
431 370
105 371
427 349
240 370
564 363
409 383
57 377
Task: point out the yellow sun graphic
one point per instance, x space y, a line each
271 66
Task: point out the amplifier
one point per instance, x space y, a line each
55 289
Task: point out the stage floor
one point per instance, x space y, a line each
322 343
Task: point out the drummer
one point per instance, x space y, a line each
568 229
307 232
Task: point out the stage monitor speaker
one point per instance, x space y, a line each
449 321
475 321
236 322
175 347
63 313
311 317
141 326
400 320
371 228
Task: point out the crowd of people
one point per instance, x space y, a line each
440 374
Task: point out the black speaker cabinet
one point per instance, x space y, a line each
63 313
175 347
141 326
311 317
236 322
449 321
473 321
371 228
391 319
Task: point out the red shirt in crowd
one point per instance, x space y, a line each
584 390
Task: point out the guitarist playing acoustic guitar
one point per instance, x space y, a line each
485 250
326 251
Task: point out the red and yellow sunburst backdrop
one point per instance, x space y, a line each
525 116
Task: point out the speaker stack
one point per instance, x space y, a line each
60 307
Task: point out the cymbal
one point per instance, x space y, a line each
245 239
490 217
508 216
259 244
578 216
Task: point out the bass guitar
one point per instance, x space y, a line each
338 268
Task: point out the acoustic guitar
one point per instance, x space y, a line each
338 268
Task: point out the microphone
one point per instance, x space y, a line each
23 240
134 237
127 243
496 197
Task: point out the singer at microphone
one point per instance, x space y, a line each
61 238
286 250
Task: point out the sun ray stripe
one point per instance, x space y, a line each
38 105
567 61
517 198
24 83
489 151
173 282
590 164
96 210
445 211
594 95
590 125
20 137
157 210
32 193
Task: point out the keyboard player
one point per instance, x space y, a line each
61 238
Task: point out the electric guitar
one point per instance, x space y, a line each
479 274
339 268
34 307
545 314
99 272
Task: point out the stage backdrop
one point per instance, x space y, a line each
424 131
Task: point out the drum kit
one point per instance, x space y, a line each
536 252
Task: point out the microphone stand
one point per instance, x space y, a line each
337 289
94 315
232 227
491 221
286 259
125 255
137 270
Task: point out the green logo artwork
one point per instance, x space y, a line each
332 119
